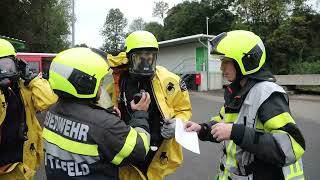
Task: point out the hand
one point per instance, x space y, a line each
117 110
168 128
143 104
192 127
221 131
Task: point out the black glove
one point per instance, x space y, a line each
25 72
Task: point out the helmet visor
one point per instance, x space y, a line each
104 100
8 68
144 62
214 43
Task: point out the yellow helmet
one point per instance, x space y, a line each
6 48
78 72
245 47
141 40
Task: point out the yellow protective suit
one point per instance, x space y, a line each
37 96
173 103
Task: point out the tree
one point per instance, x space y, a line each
189 18
82 45
295 43
160 9
261 17
113 31
44 25
156 29
137 24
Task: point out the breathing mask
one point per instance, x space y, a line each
9 73
142 64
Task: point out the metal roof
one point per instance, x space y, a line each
184 40
36 54
17 43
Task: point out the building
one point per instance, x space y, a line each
189 57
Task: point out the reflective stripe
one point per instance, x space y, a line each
216 118
127 147
294 171
230 117
145 141
259 125
233 153
278 121
219 117
297 149
228 152
283 139
230 161
61 69
69 145
56 151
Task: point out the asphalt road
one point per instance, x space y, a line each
305 109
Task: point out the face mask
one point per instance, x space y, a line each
8 73
143 64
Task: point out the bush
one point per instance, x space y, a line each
305 68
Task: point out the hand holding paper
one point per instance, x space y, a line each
188 140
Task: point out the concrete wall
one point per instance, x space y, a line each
180 58
298 79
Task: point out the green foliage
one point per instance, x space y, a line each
156 29
44 25
294 42
160 9
189 18
137 24
82 45
113 31
305 68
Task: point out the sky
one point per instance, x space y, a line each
91 16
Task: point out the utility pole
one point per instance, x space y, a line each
208 49
207 25
73 24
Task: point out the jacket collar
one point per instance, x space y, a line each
234 94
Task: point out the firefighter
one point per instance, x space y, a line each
135 71
83 140
257 133
22 94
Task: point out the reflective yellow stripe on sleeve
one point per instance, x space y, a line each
278 121
297 149
220 116
230 117
127 147
145 141
69 145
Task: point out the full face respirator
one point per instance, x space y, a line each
142 64
10 71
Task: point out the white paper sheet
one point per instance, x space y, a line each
188 140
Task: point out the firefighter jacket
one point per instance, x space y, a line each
37 96
265 141
84 141
172 99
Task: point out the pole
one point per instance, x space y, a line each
207 25
208 70
73 24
